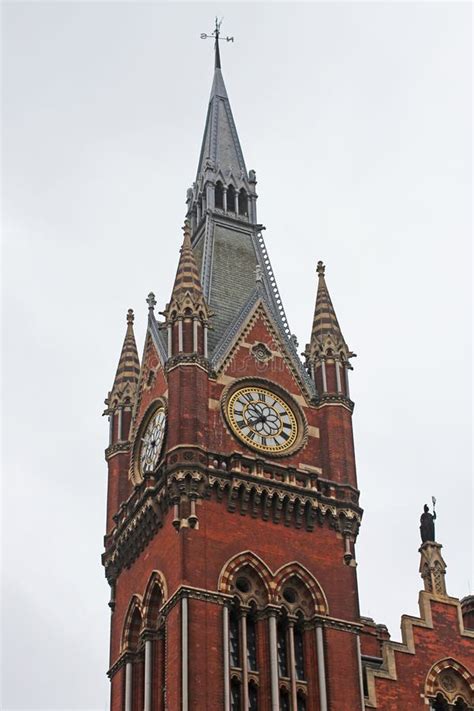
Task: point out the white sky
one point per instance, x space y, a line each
357 119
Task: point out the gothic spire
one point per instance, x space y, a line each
325 324
220 149
327 352
187 297
126 378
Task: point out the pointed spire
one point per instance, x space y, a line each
327 355
326 330
126 378
187 295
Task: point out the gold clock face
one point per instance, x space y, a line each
262 419
152 442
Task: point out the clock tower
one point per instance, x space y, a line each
233 506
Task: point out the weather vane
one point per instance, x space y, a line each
217 35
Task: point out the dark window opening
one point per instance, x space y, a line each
219 195
253 697
301 703
284 700
231 198
251 644
235 696
299 653
282 650
234 644
243 209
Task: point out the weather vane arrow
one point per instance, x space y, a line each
216 34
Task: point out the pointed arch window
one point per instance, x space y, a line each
235 695
251 642
243 202
284 700
231 198
299 652
219 195
234 639
253 697
282 648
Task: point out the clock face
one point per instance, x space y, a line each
152 441
262 419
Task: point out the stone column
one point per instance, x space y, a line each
128 686
272 630
323 698
225 641
148 675
184 654
291 644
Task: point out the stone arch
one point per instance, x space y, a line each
250 564
310 595
451 680
132 625
156 594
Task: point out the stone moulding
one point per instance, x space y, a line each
292 497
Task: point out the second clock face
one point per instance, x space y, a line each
152 442
262 419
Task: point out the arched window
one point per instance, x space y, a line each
251 642
440 704
284 700
282 647
253 697
299 652
231 198
234 639
235 695
300 702
219 195
243 209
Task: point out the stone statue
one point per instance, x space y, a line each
427 528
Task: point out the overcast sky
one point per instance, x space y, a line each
357 119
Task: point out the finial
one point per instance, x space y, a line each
320 269
151 301
216 34
130 317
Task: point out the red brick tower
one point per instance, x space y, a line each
233 501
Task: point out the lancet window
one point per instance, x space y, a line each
231 198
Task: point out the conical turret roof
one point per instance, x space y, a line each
326 332
187 290
126 378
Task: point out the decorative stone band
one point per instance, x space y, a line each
287 502
117 448
187 359
324 400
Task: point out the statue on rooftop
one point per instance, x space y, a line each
427 528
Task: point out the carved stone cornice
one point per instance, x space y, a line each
334 399
254 487
117 448
187 359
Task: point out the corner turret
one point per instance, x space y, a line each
121 399
327 355
187 314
